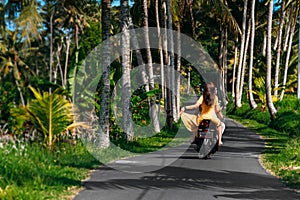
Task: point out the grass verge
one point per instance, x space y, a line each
31 171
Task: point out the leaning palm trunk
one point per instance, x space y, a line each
271 107
58 65
251 98
245 60
153 107
20 92
286 41
279 49
68 43
126 80
287 61
223 63
239 72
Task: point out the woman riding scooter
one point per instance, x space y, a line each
210 108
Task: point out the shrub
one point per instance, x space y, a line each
51 114
288 116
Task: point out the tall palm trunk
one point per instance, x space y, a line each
251 98
279 49
160 49
68 43
223 63
190 7
139 56
58 64
167 101
165 48
173 109
178 69
234 67
286 41
288 54
239 72
271 107
225 52
221 47
105 93
126 81
245 60
20 92
153 107
264 45
51 48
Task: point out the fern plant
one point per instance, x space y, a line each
51 114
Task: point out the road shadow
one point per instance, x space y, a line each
233 184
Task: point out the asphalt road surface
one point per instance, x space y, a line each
234 172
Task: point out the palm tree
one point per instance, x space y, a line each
27 28
70 16
291 27
177 14
279 48
234 66
239 71
153 109
243 74
271 107
171 110
160 49
11 62
105 93
51 114
126 81
227 23
251 98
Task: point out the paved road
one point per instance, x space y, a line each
234 172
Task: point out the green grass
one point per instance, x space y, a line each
282 153
31 171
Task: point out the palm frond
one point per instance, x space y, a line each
51 114
29 23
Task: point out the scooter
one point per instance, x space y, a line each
206 141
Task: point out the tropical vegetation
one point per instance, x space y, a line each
47 49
